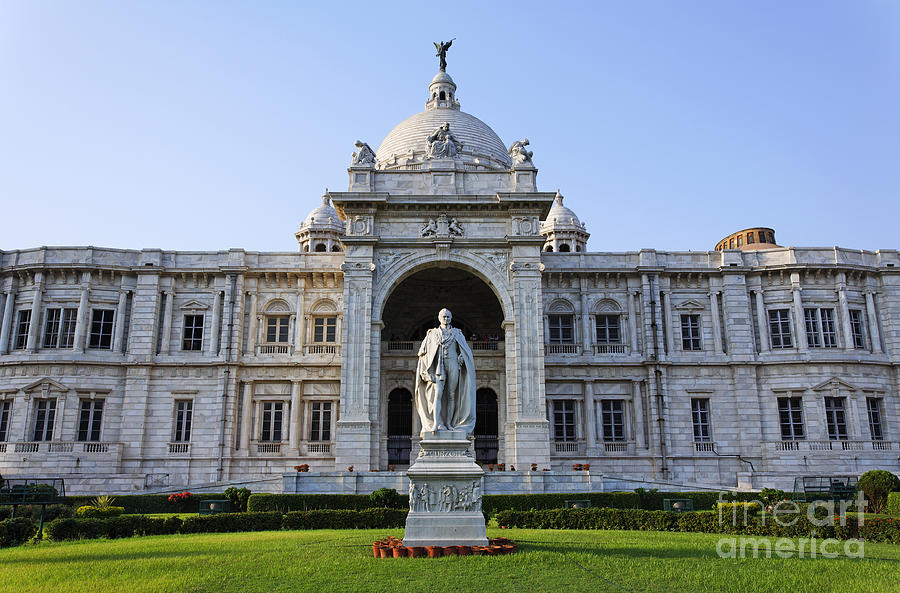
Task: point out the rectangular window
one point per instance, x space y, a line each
23 324
101 329
277 329
59 328
857 328
820 332
749 238
790 415
563 420
835 418
607 329
700 419
184 410
740 240
780 328
873 406
5 412
320 427
44 416
612 412
690 332
272 415
89 419
561 329
193 333
325 329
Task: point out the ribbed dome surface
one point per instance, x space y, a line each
477 138
323 215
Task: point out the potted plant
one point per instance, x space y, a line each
391 467
534 467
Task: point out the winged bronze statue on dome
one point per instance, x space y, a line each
442 48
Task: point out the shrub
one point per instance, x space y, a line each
231 522
147 504
93 512
876 485
374 518
386 498
238 498
893 504
16 531
33 512
727 509
307 502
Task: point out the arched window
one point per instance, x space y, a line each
486 426
561 322
323 327
564 248
607 323
336 248
399 426
549 248
578 248
277 325
321 248
443 96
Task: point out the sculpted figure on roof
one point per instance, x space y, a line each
442 144
519 154
365 156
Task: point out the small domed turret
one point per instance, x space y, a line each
322 229
562 229
752 239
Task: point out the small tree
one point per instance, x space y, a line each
876 485
385 498
238 498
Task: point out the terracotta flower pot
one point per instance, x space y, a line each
375 547
464 550
478 550
451 550
384 552
508 548
417 552
399 551
434 551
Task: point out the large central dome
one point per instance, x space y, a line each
407 143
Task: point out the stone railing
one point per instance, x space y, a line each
567 449
319 448
704 447
476 346
179 448
73 447
615 447
833 445
274 348
610 349
403 346
2 447
565 349
268 448
399 346
313 349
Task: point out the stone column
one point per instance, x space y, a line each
252 327
8 309
167 323
246 415
586 340
873 322
632 322
212 348
762 322
590 417
640 439
34 330
670 322
799 319
300 324
81 318
119 333
717 328
295 416
846 331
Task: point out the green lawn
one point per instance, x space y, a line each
325 561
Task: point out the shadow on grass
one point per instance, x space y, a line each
602 551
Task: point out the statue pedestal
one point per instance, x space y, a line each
446 486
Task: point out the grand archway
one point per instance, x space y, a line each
409 311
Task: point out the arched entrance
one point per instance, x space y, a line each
409 311
399 426
486 426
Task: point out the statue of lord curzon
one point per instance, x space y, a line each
445 380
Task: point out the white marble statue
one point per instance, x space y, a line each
365 156
442 144
445 380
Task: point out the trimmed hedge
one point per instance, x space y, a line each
16 531
893 504
135 525
92 512
374 518
33 512
148 504
493 503
880 530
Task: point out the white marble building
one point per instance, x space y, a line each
126 370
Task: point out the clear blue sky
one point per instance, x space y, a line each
209 125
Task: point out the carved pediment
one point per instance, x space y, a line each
560 306
835 384
44 386
194 305
689 305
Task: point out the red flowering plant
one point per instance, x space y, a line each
181 497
